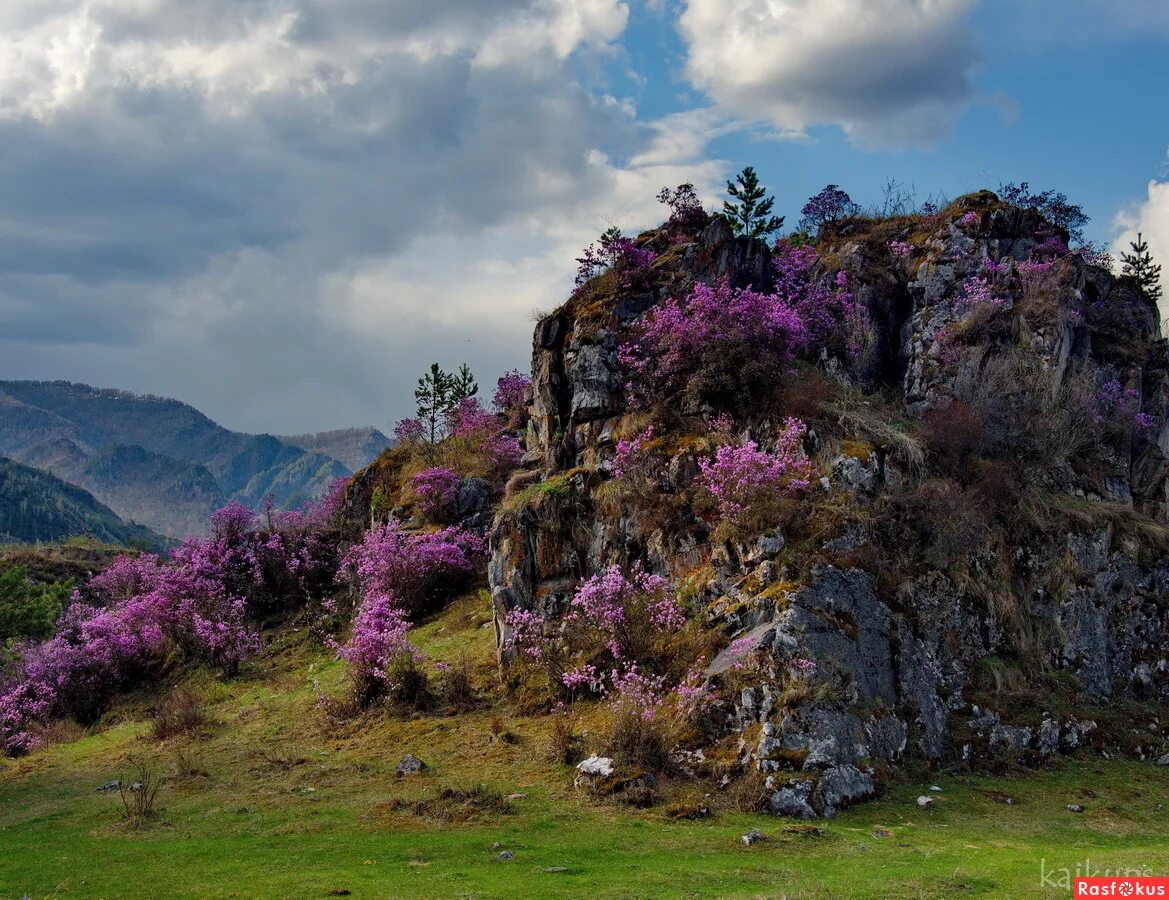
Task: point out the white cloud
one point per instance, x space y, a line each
282 210
1149 218
890 72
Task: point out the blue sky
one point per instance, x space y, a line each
282 210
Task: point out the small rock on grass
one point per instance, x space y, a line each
752 837
925 802
1075 808
935 789
109 786
506 855
410 765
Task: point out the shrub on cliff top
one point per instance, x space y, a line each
721 344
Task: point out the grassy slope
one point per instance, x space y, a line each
292 806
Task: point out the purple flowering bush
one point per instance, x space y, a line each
714 346
647 715
435 490
397 575
418 570
745 484
128 624
510 399
729 346
382 661
616 619
833 319
625 638
620 255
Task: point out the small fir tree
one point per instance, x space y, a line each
1139 265
463 385
751 216
434 397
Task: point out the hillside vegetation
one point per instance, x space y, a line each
37 507
858 538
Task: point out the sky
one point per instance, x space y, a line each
281 211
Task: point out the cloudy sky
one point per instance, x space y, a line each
281 211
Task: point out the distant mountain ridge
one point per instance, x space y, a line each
162 462
354 448
38 507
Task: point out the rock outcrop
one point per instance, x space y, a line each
1067 605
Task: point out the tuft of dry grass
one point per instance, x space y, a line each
179 712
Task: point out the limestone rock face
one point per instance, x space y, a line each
896 661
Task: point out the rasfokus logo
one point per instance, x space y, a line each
1068 877
1121 886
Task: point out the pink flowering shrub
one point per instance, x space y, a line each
745 483
728 346
418 570
435 489
621 639
614 620
717 345
130 621
621 255
378 652
832 318
398 575
977 292
511 398
647 715
630 456
409 432
477 443
624 614
1119 408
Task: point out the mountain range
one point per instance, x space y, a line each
38 507
161 462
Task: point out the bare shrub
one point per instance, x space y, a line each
954 434
1031 416
179 712
456 691
138 788
564 744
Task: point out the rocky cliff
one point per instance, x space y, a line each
980 567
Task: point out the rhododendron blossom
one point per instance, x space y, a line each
379 637
482 432
435 489
525 633
713 322
743 479
510 398
124 626
413 568
617 606
621 254
832 318
628 453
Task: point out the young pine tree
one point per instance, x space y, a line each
463 385
751 216
1140 266
433 396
